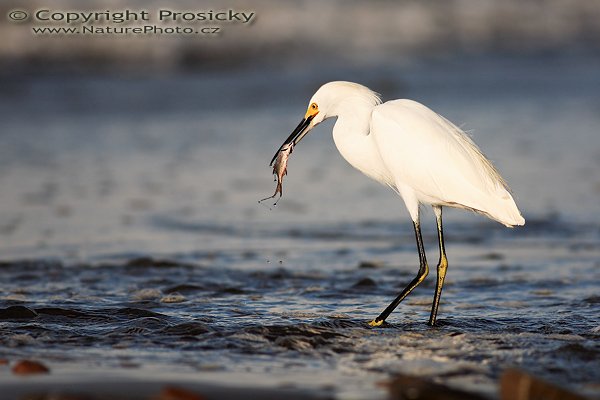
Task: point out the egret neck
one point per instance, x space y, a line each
353 140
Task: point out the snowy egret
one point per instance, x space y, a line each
422 156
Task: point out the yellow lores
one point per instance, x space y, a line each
313 110
421 155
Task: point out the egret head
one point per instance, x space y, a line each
329 101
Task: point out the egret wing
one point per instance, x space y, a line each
437 160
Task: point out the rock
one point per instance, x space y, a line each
365 282
493 256
147 262
173 298
27 367
146 294
175 393
17 312
183 288
406 387
519 385
369 265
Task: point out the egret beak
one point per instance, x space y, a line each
298 134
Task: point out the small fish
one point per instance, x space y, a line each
280 169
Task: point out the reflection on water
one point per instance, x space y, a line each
133 240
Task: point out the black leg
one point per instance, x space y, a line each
423 271
441 268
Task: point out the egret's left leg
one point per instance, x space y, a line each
441 268
423 271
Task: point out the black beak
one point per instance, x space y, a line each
296 136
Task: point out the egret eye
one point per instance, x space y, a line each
314 106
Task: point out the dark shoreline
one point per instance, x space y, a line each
513 385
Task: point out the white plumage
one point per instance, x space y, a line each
421 155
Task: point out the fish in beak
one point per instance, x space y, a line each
280 169
281 157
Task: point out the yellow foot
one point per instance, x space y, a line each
375 323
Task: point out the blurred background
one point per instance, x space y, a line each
118 143
288 34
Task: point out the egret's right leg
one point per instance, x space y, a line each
441 268
423 271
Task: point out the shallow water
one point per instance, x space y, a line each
285 322
133 243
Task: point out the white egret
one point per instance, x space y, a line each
422 156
